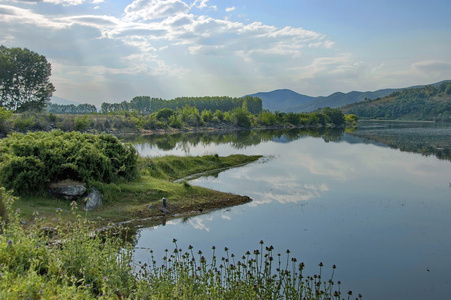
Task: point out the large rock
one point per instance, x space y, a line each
69 192
93 200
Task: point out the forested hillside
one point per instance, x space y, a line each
426 103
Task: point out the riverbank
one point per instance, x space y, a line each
141 199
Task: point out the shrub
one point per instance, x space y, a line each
165 113
207 115
5 206
175 122
82 123
24 122
66 123
240 118
5 115
30 162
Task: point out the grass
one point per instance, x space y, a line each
175 167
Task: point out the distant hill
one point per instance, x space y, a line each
289 101
339 99
432 102
62 101
281 100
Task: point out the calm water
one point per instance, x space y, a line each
382 215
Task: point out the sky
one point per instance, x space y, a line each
111 51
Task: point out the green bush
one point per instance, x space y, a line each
24 122
82 123
5 116
241 118
5 206
165 113
30 162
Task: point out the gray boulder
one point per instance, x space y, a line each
93 200
69 192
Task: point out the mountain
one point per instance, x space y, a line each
285 100
281 100
339 99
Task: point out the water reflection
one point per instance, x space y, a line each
425 138
381 215
185 143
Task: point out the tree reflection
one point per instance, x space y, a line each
237 139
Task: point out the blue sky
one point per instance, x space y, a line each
110 51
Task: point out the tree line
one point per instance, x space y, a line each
166 118
146 105
81 109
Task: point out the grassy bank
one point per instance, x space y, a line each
141 198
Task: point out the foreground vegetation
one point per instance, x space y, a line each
76 262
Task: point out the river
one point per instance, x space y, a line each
352 199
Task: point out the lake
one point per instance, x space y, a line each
353 199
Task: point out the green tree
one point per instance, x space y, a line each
268 118
292 118
240 118
24 80
334 115
207 115
141 104
219 115
351 118
252 105
165 113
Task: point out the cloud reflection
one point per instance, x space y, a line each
199 223
298 193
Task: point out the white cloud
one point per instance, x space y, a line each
200 4
164 39
60 2
154 9
229 9
20 16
